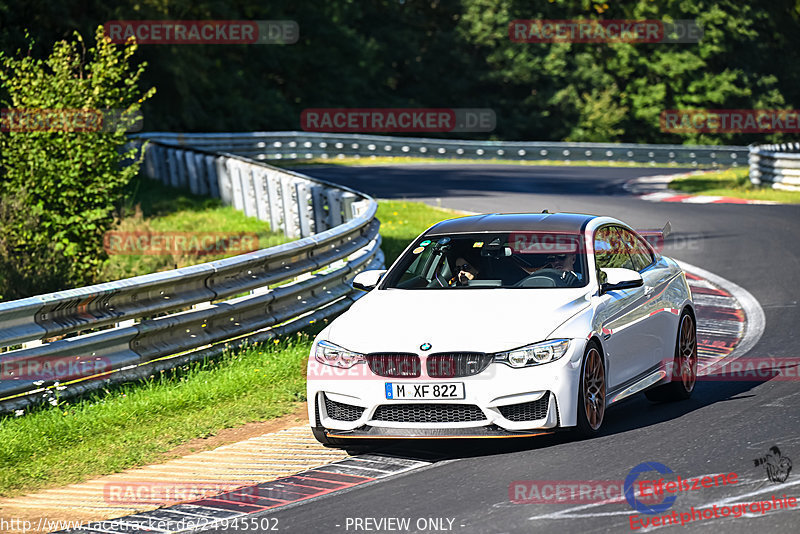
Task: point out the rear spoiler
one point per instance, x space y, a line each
656 237
666 230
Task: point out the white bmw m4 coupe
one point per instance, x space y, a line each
504 325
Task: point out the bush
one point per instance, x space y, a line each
59 184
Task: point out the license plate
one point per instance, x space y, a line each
429 391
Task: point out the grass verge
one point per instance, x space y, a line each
400 160
732 183
132 424
402 221
136 423
152 208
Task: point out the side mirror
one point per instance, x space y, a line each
367 280
616 279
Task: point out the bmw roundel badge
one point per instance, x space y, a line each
425 346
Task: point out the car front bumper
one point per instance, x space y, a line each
499 402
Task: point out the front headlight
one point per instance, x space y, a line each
330 354
536 354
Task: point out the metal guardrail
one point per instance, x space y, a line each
76 340
776 165
307 145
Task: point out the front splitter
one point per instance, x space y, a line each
375 432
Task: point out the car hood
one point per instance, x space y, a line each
482 320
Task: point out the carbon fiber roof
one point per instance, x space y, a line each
513 222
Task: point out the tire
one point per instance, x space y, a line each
591 392
684 372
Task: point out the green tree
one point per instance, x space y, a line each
60 180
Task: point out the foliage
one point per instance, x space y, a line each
455 53
60 181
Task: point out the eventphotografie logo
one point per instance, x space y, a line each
149 32
604 31
179 243
69 120
355 120
730 120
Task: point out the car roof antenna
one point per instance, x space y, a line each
545 211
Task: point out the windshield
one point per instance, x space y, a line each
527 260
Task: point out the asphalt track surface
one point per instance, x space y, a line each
721 429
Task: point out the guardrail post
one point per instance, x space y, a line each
249 194
290 226
180 164
347 205
237 191
212 181
224 181
162 165
318 201
200 169
261 195
173 167
273 202
334 207
191 171
150 162
301 190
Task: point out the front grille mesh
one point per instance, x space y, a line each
394 364
457 364
341 411
428 413
527 411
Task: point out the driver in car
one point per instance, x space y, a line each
464 272
564 263
559 262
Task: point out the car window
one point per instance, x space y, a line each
421 258
611 250
643 253
619 247
522 260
